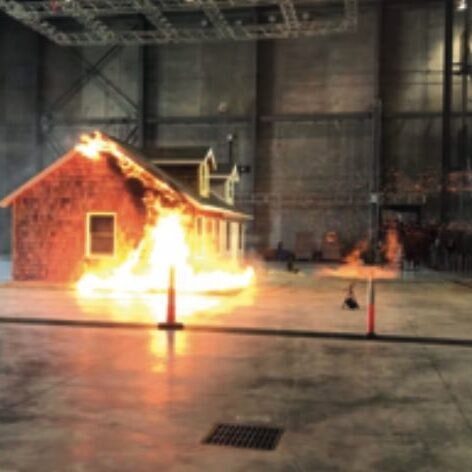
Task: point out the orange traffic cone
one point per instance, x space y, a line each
170 322
370 309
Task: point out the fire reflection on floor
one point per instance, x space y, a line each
360 272
152 308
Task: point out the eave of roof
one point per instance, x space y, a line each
9 198
226 171
182 155
211 204
176 163
179 152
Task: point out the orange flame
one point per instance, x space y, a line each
392 248
355 268
166 243
355 256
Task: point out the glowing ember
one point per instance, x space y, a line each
91 147
166 243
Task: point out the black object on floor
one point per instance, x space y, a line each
244 436
350 301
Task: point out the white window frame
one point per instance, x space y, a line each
88 239
204 179
228 238
229 190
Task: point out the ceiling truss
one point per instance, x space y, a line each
143 22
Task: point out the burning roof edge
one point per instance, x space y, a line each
210 204
134 155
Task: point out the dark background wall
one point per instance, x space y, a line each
302 114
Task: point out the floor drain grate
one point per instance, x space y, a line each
251 437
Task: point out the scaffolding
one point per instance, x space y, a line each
147 22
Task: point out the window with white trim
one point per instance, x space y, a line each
228 236
101 234
217 236
230 191
204 178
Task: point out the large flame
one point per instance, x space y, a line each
164 246
167 242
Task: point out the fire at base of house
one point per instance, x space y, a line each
108 217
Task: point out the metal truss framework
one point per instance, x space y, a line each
51 117
114 22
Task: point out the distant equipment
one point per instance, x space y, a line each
244 169
330 248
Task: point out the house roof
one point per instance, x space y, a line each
204 204
182 155
226 171
180 152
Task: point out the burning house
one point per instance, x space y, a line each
106 216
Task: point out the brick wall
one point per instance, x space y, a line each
50 219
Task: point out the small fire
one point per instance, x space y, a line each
355 268
166 243
354 258
91 146
392 248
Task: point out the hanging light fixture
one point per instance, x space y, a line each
461 5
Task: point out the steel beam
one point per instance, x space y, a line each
50 120
46 9
422 115
84 79
98 122
142 100
30 19
351 8
89 20
248 26
108 85
447 105
289 13
216 17
465 71
316 117
156 17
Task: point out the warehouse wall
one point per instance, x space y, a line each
411 82
316 170
18 106
411 88
200 94
311 149
73 102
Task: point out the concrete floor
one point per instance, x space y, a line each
84 399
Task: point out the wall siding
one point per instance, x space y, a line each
50 220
